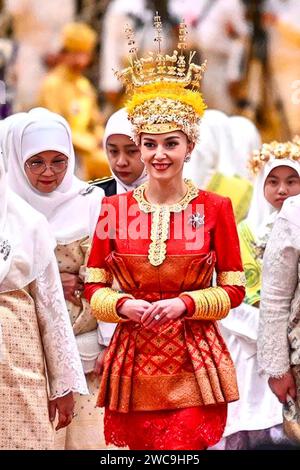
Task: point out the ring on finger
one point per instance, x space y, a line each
157 317
77 293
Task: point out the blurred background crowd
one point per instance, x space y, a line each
63 54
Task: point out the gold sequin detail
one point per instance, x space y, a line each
98 275
104 304
161 219
231 278
210 304
269 152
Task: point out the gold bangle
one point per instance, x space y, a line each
104 304
212 303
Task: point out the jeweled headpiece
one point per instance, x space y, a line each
274 150
163 90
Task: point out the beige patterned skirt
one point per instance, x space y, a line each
24 422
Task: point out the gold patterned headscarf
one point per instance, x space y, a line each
163 90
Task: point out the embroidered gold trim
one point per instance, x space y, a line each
98 275
161 219
210 304
104 305
231 278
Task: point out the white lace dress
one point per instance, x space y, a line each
39 360
279 331
279 328
256 417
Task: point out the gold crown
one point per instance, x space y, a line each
274 150
163 90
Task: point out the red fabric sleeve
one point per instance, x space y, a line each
90 289
102 244
227 247
189 304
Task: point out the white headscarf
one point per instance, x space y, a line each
26 246
261 212
73 208
215 150
246 139
118 123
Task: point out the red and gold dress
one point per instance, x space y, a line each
166 388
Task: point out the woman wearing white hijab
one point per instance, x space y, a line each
123 155
38 350
256 416
41 170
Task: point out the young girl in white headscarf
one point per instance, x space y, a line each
41 170
257 416
123 155
39 360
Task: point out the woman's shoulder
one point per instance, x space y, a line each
116 199
33 217
210 198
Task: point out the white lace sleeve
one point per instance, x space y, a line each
64 367
280 277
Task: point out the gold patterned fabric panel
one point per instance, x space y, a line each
98 275
23 385
86 430
231 278
210 304
104 305
184 363
154 393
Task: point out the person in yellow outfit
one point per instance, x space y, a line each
69 93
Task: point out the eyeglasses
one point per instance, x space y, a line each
38 167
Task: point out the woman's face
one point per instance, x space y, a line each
164 154
124 158
46 170
281 183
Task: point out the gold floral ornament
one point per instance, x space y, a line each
163 90
272 151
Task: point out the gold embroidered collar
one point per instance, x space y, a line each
161 219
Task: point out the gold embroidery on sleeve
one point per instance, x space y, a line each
98 275
231 278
